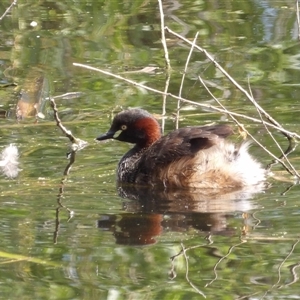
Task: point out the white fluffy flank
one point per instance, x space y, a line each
9 161
250 170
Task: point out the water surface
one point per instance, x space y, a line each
82 237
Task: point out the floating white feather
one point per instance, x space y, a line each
9 161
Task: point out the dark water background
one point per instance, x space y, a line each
241 246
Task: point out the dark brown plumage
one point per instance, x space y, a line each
197 157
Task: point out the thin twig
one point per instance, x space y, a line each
252 237
77 144
8 9
220 68
279 268
67 132
244 129
221 259
183 251
207 106
288 188
167 60
298 18
247 296
163 36
191 248
283 155
294 274
165 101
182 79
258 221
291 148
187 273
282 263
70 95
209 239
60 205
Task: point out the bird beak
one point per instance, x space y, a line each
108 135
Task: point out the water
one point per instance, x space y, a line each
82 237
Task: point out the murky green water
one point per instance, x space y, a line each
80 237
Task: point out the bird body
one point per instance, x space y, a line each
190 157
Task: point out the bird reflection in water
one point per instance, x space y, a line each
148 212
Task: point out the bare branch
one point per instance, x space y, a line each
221 259
298 18
67 132
238 86
207 106
165 100
294 274
294 171
77 144
187 273
245 130
285 259
183 77
8 9
279 269
163 37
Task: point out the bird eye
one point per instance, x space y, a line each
123 127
